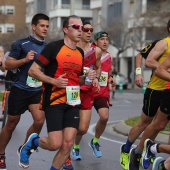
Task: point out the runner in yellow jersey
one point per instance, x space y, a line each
155 58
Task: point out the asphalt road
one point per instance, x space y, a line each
125 105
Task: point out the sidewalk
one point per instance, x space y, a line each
122 128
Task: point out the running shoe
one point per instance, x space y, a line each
68 165
124 158
157 163
2 162
26 150
75 154
147 155
134 160
95 147
153 159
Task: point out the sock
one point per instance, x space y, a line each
137 151
76 146
154 148
36 142
127 146
52 168
95 140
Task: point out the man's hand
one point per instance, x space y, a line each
91 74
61 82
30 56
139 80
95 83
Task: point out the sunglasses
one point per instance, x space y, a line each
87 29
75 26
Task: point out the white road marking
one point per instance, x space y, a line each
90 131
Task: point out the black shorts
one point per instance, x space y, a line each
101 103
19 100
165 102
61 116
151 102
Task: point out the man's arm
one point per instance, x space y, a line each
139 80
2 63
155 53
12 63
35 72
98 61
162 71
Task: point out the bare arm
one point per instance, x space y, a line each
162 71
35 72
155 53
139 80
2 67
98 61
12 63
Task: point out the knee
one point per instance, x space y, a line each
54 146
160 127
11 124
39 122
143 124
104 119
82 131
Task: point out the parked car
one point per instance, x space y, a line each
121 78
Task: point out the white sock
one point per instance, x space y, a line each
153 149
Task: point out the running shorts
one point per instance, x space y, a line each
87 99
101 102
20 99
61 116
151 102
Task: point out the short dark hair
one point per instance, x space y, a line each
85 21
168 26
66 20
37 17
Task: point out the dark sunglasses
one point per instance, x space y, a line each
87 29
75 26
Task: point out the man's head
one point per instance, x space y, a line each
87 30
72 27
101 39
40 25
168 26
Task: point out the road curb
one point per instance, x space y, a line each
123 129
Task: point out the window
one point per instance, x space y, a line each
86 4
9 29
9 10
65 4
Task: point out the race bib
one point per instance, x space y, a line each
73 95
32 82
103 78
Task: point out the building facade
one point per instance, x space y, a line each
57 10
131 24
12 20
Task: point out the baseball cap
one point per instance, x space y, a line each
101 34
